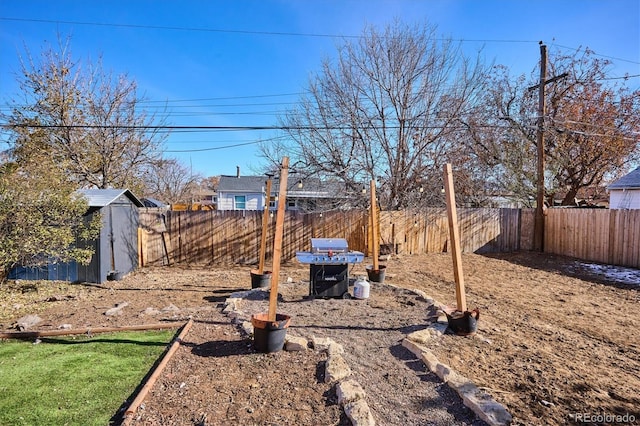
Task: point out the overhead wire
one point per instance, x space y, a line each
577 49
277 33
231 31
170 105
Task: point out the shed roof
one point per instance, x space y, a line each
104 197
628 181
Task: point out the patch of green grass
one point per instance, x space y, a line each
74 381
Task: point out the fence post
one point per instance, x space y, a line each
611 258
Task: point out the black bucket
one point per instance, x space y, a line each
114 276
259 280
269 336
463 323
376 275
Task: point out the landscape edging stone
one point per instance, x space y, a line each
352 395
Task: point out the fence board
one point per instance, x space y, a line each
233 237
599 235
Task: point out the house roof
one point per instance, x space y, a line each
152 202
241 184
104 197
311 187
628 181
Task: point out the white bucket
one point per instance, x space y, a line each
361 288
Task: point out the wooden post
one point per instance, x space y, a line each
277 243
374 226
157 371
452 214
265 226
166 240
140 248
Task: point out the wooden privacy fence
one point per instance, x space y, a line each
481 230
233 237
599 235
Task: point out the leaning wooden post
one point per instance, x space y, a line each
277 244
265 226
455 238
374 226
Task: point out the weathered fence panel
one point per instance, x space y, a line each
481 230
599 235
233 237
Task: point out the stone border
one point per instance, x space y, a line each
478 400
350 394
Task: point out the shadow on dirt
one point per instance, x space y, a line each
331 399
222 348
447 398
361 327
53 341
562 265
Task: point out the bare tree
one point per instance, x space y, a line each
93 121
170 181
500 136
592 126
386 108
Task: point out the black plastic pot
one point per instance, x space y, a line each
376 275
269 336
259 280
463 323
114 276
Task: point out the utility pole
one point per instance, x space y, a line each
538 235
538 230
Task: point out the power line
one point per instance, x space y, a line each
626 77
225 98
214 148
170 102
174 28
598 54
218 30
208 128
278 33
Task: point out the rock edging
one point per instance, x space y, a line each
351 396
476 399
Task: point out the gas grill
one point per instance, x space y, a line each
329 261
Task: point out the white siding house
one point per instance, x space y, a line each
241 192
625 192
303 194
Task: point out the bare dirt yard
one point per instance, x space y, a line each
556 341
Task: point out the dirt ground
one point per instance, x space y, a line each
556 341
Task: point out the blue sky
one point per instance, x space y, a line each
240 62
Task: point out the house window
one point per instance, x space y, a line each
291 203
239 202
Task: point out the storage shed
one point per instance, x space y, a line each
115 249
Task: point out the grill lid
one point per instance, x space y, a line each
326 245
